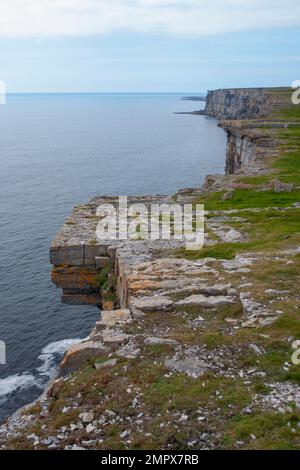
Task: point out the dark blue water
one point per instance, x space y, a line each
60 150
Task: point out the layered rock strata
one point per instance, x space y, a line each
244 103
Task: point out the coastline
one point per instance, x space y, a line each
182 281
37 303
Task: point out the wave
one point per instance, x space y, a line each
14 382
49 356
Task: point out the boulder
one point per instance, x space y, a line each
191 366
153 304
78 354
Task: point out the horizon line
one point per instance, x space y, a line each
101 92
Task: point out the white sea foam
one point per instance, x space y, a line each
59 347
13 382
50 353
42 374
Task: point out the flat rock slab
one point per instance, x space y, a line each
152 304
115 317
86 417
129 351
202 301
152 341
114 336
238 264
102 365
190 366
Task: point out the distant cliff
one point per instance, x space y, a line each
244 115
244 103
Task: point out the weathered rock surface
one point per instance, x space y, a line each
78 355
242 103
189 366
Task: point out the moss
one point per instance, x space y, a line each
106 283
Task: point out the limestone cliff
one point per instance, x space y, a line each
244 113
248 147
243 103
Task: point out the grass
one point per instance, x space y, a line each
290 113
249 199
219 251
271 431
179 392
286 167
102 277
106 283
266 230
255 180
273 360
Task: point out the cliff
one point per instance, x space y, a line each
245 103
192 349
244 115
248 146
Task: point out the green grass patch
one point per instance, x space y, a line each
249 199
290 113
266 230
255 180
270 429
219 251
106 283
180 392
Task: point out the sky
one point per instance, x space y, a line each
148 45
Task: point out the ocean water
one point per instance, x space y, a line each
58 150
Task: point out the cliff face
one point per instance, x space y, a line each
248 147
244 112
243 103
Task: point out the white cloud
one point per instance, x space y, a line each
186 17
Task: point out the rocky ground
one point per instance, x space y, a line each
199 356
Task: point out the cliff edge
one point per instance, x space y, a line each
193 349
245 103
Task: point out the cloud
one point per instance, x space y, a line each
173 17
